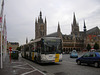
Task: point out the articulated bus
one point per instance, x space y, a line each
43 50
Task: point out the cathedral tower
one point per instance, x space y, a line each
40 27
75 27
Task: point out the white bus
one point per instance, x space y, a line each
43 50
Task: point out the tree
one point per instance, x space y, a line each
18 48
96 46
32 40
88 47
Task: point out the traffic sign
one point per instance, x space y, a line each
10 47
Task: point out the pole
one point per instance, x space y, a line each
1 48
2 6
10 56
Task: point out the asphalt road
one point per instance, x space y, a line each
67 67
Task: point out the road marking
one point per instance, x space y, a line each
16 62
22 68
36 69
28 72
20 65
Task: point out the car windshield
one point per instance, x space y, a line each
99 53
74 52
86 55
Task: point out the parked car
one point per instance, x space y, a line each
89 58
92 50
74 54
97 50
84 50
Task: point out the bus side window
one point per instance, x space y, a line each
38 50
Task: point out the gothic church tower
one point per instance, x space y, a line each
40 27
75 27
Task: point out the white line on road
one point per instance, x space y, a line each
16 62
28 72
36 69
22 68
20 65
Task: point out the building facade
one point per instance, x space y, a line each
80 39
76 40
14 45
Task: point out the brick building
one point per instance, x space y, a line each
14 45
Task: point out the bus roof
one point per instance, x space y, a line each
47 38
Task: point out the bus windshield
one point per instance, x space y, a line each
52 46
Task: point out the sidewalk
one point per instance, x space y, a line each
7 69
18 67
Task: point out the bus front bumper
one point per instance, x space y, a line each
49 61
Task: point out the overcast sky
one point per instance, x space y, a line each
21 15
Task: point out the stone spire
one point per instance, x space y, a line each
84 34
45 26
26 40
40 20
84 26
74 19
40 15
58 30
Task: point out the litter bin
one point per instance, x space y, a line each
15 54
